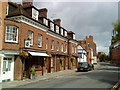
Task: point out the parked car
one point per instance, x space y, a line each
91 66
84 66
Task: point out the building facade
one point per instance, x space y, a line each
28 37
82 54
90 47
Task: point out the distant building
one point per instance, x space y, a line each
90 47
82 54
99 54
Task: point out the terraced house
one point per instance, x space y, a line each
28 37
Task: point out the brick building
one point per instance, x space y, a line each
90 47
115 52
99 54
42 42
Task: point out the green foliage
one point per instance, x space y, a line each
104 58
116 29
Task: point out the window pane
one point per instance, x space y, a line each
11 34
9 65
30 37
39 40
4 65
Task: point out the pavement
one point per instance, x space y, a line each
15 83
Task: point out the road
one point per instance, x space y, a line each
105 76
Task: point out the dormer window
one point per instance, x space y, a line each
45 21
61 31
65 33
34 14
73 36
52 26
7 8
57 29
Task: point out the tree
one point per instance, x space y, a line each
116 31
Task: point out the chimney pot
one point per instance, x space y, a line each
57 21
43 12
27 2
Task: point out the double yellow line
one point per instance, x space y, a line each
116 85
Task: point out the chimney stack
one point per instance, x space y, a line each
27 2
43 12
57 21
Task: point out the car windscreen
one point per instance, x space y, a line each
83 64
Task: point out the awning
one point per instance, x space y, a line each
38 54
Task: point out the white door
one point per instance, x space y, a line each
7 69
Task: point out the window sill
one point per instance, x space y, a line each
11 42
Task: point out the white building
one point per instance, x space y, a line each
82 54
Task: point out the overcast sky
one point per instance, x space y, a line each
85 18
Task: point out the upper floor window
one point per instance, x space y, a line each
39 40
62 47
34 14
7 9
61 31
66 48
57 29
30 37
73 49
11 34
65 33
57 46
73 36
46 43
52 26
52 45
45 21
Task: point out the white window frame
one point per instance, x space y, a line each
61 31
52 45
30 37
57 46
46 43
73 36
7 9
62 47
39 40
34 14
65 33
52 26
45 21
57 29
11 34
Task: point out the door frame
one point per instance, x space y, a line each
12 67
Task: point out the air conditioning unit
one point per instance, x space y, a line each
27 43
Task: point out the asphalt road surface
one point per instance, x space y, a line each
103 77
